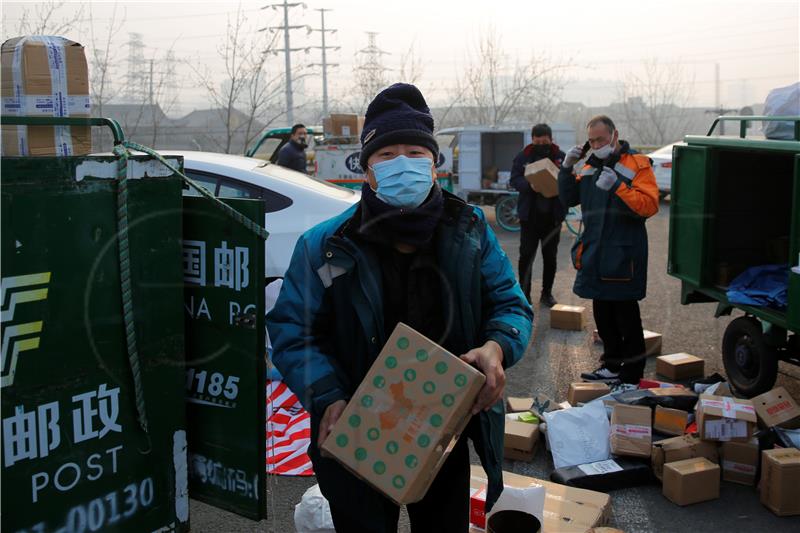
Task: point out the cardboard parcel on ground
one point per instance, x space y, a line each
780 477
566 509
405 417
631 430
721 418
45 76
777 408
679 448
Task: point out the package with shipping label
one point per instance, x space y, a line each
45 76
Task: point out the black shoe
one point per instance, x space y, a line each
547 300
601 374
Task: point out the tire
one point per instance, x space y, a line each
505 211
751 365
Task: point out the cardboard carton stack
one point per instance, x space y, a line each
396 431
45 76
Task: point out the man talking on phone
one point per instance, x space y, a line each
617 192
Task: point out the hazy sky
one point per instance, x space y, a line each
755 43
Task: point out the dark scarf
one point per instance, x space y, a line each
415 227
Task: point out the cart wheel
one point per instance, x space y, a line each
751 365
506 213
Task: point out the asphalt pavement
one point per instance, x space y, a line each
554 359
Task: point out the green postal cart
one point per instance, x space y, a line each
133 368
735 205
93 424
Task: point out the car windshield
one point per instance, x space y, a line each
308 182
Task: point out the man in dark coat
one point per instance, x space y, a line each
293 154
540 218
407 252
617 192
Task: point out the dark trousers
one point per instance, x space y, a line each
543 228
356 507
619 325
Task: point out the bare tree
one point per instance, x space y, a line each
493 91
244 100
411 67
51 18
103 58
261 91
653 103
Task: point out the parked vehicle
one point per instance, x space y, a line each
662 167
335 159
736 205
294 202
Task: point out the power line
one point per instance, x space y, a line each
287 50
322 30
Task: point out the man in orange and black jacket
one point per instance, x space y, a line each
617 192
540 218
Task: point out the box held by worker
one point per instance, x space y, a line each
723 419
570 317
680 366
691 481
45 76
780 477
631 430
583 392
670 421
543 177
739 461
777 408
679 448
398 428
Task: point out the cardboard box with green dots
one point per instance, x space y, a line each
404 419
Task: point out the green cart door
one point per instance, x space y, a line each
223 267
689 224
793 313
75 457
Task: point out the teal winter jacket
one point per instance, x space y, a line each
327 325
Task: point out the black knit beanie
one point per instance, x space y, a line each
397 115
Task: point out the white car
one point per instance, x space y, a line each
294 202
662 167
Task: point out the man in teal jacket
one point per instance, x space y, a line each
408 252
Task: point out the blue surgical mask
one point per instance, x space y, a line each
403 181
